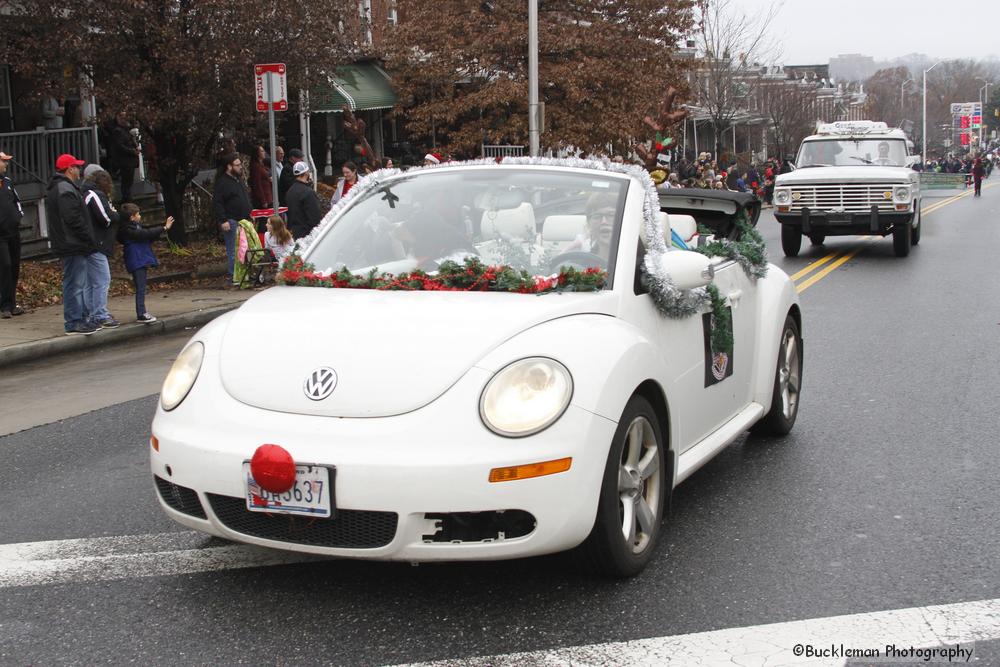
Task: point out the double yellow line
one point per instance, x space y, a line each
827 265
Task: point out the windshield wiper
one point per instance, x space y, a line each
818 164
866 161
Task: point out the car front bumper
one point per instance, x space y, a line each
391 473
817 221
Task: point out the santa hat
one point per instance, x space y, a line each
432 158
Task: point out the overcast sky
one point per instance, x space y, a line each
812 31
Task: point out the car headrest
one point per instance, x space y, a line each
684 225
563 227
513 222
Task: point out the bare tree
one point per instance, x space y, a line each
735 47
953 81
789 108
889 100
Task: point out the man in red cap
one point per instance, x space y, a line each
71 237
10 241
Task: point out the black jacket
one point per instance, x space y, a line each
303 209
103 218
10 209
134 232
70 231
230 199
285 181
123 147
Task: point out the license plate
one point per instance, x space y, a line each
311 495
838 217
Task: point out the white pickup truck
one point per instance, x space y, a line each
852 177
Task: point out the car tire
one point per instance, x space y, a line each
901 235
791 240
817 239
627 486
915 232
785 392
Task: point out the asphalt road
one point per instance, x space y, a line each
883 497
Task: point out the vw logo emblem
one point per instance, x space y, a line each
320 383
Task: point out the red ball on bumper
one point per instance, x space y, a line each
273 468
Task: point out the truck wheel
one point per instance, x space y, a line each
791 240
787 384
817 238
633 497
901 239
915 233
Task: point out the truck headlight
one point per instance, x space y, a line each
526 397
782 195
901 193
182 375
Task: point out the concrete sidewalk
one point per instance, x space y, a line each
40 333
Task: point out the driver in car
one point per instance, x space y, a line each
883 154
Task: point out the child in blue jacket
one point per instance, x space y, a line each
139 255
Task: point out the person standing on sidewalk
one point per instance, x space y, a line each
230 202
104 218
303 205
126 153
139 255
260 179
10 242
286 178
72 239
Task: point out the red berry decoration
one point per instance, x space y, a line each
273 468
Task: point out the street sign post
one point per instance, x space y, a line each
272 95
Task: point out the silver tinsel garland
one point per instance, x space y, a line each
669 300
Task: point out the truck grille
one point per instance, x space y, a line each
852 198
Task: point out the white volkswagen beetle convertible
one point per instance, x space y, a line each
483 361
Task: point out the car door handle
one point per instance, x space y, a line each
734 298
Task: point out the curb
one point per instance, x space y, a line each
17 354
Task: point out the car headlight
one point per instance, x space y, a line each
901 193
182 375
526 397
782 195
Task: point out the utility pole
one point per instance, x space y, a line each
533 130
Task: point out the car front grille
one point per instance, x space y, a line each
849 197
180 498
349 529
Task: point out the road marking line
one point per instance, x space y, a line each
777 643
815 265
943 203
812 280
130 556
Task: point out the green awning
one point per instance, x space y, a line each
361 86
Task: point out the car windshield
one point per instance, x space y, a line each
852 152
531 219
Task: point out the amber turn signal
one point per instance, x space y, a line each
528 470
154 443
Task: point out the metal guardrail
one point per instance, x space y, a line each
503 151
930 180
35 152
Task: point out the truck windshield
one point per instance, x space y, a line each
842 152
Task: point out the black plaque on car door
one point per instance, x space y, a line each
718 363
